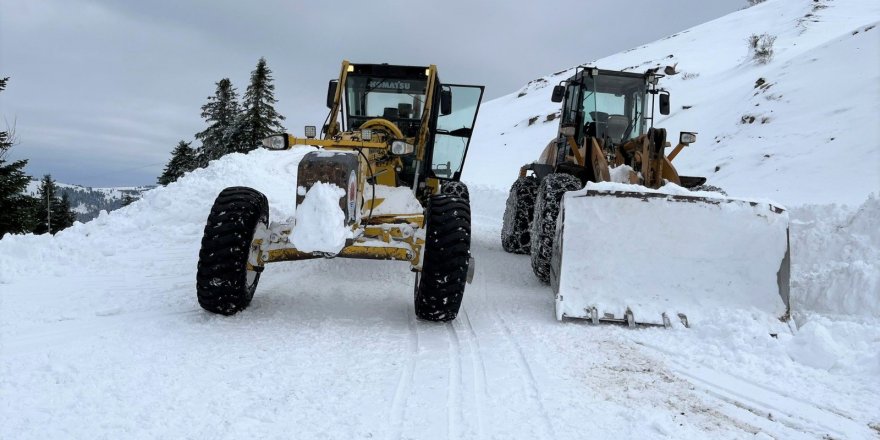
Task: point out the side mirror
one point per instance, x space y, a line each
445 101
331 92
664 103
558 94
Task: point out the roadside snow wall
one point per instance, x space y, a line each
836 259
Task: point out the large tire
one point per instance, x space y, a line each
515 228
223 283
550 193
457 189
447 255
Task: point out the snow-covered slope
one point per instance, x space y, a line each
88 202
101 335
803 128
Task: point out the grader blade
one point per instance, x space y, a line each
640 257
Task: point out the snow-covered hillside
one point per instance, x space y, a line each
101 335
87 202
803 128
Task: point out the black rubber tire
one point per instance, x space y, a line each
222 276
447 255
515 228
457 189
550 193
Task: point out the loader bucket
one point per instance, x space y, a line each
636 256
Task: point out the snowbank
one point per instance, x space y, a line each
176 212
836 259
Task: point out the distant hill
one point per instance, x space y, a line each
88 202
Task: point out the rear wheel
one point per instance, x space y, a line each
224 284
447 255
518 215
550 193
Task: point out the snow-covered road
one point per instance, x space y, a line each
330 349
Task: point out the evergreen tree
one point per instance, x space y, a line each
16 208
220 113
127 200
183 160
47 207
62 216
258 118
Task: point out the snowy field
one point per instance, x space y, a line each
101 336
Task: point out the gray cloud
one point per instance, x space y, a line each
102 90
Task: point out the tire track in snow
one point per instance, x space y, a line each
785 412
478 368
454 386
528 378
404 384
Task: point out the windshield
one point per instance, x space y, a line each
614 107
369 97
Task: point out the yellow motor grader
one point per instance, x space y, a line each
639 247
392 152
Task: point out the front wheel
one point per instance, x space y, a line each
224 284
550 193
447 256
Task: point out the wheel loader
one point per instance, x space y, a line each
385 173
621 236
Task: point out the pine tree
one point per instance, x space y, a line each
47 207
62 216
220 112
16 214
258 118
127 200
183 160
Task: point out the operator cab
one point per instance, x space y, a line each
395 93
607 105
399 94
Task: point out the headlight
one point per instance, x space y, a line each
311 131
401 148
687 137
366 134
276 142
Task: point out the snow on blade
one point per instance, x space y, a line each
657 255
394 200
320 222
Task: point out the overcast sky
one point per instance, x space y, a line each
102 90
